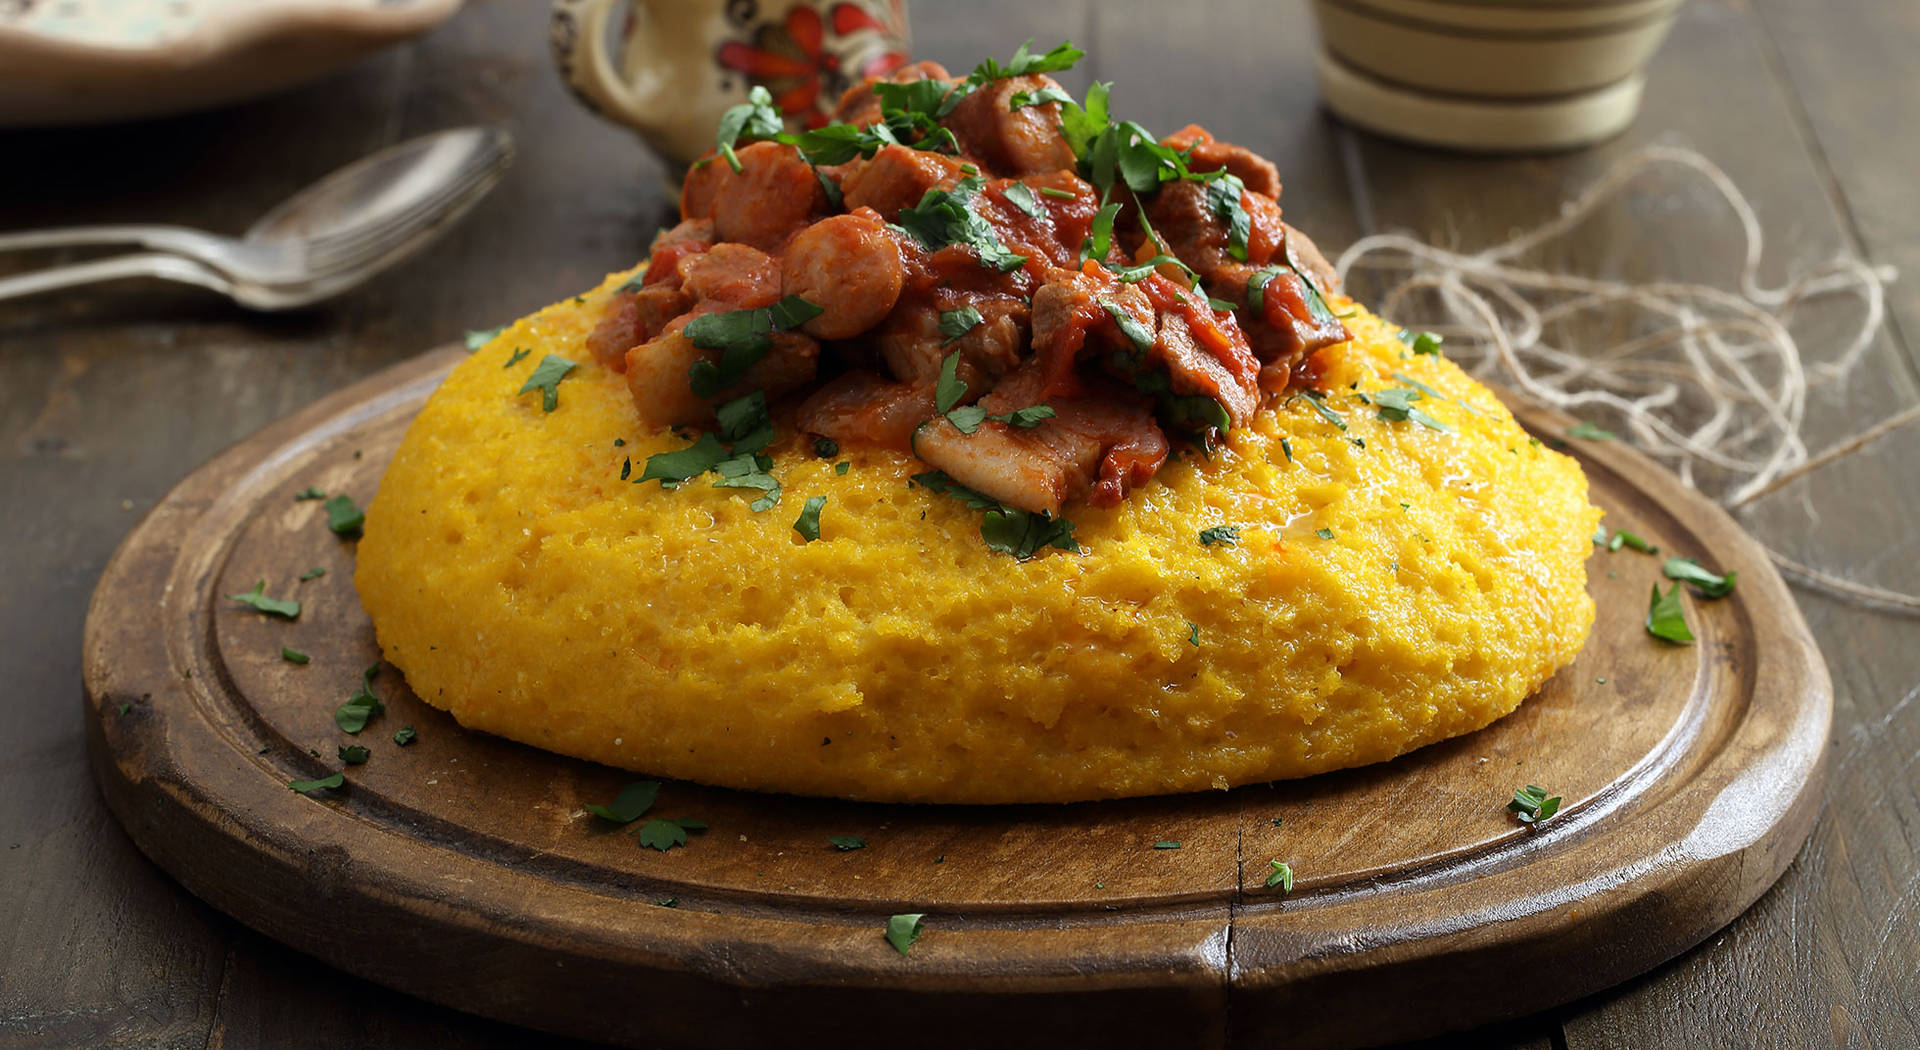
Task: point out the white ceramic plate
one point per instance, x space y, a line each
91 61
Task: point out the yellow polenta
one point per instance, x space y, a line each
1392 586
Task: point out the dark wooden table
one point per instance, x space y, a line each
108 398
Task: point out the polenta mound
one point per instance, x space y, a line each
1392 585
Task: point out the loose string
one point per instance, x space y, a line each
1710 381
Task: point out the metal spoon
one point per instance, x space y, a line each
318 243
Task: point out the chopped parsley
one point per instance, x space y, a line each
903 930
750 472
743 337
1223 199
1167 844
520 353
630 804
956 323
808 524
1421 342
1099 239
1325 534
946 217
354 754
756 118
1220 305
1007 529
286 609
480 337
842 467
1318 401
1280 874
405 735
310 492
663 835
690 462
360 708
312 574
1397 405
1623 538
1589 431
825 447
1020 195
1058 194
1062 56
1599 535
1665 619
667 902
845 843
1193 634
1531 804
1227 534
343 517
1130 326
1705 584
309 787
1287 447
546 378
294 656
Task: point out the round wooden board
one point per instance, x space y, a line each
463 868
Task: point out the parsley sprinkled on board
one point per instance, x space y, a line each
1227 534
294 656
845 843
1705 584
1623 538
1020 195
808 524
1590 432
354 754
312 574
343 517
520 353
630 804
353 715
546 378
1531 804
257 599
310 492
667 902
309 787
1280 874
480 337
956 323
903 930
1007 529
405 735
1599 535
1665 618
1167 844
663 835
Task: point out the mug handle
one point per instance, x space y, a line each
578 33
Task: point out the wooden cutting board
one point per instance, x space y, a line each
463 869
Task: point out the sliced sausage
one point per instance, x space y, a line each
772 195
850 267
1024 141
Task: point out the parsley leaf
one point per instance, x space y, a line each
1280 874
1227 534
1396 405
520 353
630 804
949 390
1058 194
755 118
745 423
405 735
1166 844
1421 342
354 754
690 462
1325 534
946 217
808 524
792 311
309 787
903 930
1318 401
294 656
1531 804
312 574
1706 584
257 598
1099 239
1257 289
1220 306
343 517
747 472
546 379
663 835
1062 56
1589 431
842 467
1081 125
1021 196
956 323
1009 530
1193 634
845 843
480 337
1023 99
1130 326
353 715
1223 199
1623 538
310 492
1665 619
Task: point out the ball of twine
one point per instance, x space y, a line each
1708 380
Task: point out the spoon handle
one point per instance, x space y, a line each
150 264
165 238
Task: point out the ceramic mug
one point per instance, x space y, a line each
670 68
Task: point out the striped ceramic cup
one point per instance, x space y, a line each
1489 74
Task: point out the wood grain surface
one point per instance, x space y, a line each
108 398
1689 775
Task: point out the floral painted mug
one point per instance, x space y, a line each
670 68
